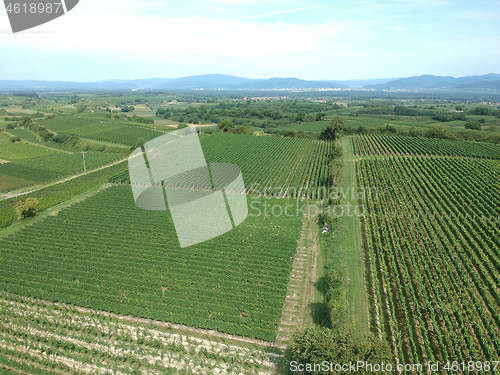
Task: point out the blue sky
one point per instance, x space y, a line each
318 39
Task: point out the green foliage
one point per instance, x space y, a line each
240 129
116 132
225 125
182 125
395 145
27 208
236 282
55 194
317 346
440 218
141 120
473 125
61 138
128 109
23 173
278 166
334 128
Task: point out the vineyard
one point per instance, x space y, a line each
40 337
394 145
272 166
105 253
22 150
25 134
23 173
433 235
121 133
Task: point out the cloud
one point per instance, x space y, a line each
123 32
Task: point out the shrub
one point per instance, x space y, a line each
27 208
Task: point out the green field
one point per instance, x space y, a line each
433 235
109 131
18 151
105 253
25 134
393 145
272 166
24 173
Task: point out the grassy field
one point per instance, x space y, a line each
22 150
219 283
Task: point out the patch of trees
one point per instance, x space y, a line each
141 120
334 129
484 111
27 208
447 117
128 109
317 346
473 125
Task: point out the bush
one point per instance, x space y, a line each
27 208
473 125
316 346
61 138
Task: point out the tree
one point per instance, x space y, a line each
317 346
242 129
27 208
301 116
140 142
319 116
473 125
334 128
182 125
225 125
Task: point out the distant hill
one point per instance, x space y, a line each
205 82
437 82
229 82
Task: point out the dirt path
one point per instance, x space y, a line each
298 309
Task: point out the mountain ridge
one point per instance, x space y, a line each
230 82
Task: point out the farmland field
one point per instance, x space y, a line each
105 253
23 173
22 150
93 284
121 133
393 145
433 235
281 167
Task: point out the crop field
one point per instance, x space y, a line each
271 166
284 167
433 235
46 338
22 150
121 133
29 172
393 145
105 253
25 134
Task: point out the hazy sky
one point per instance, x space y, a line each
316 39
